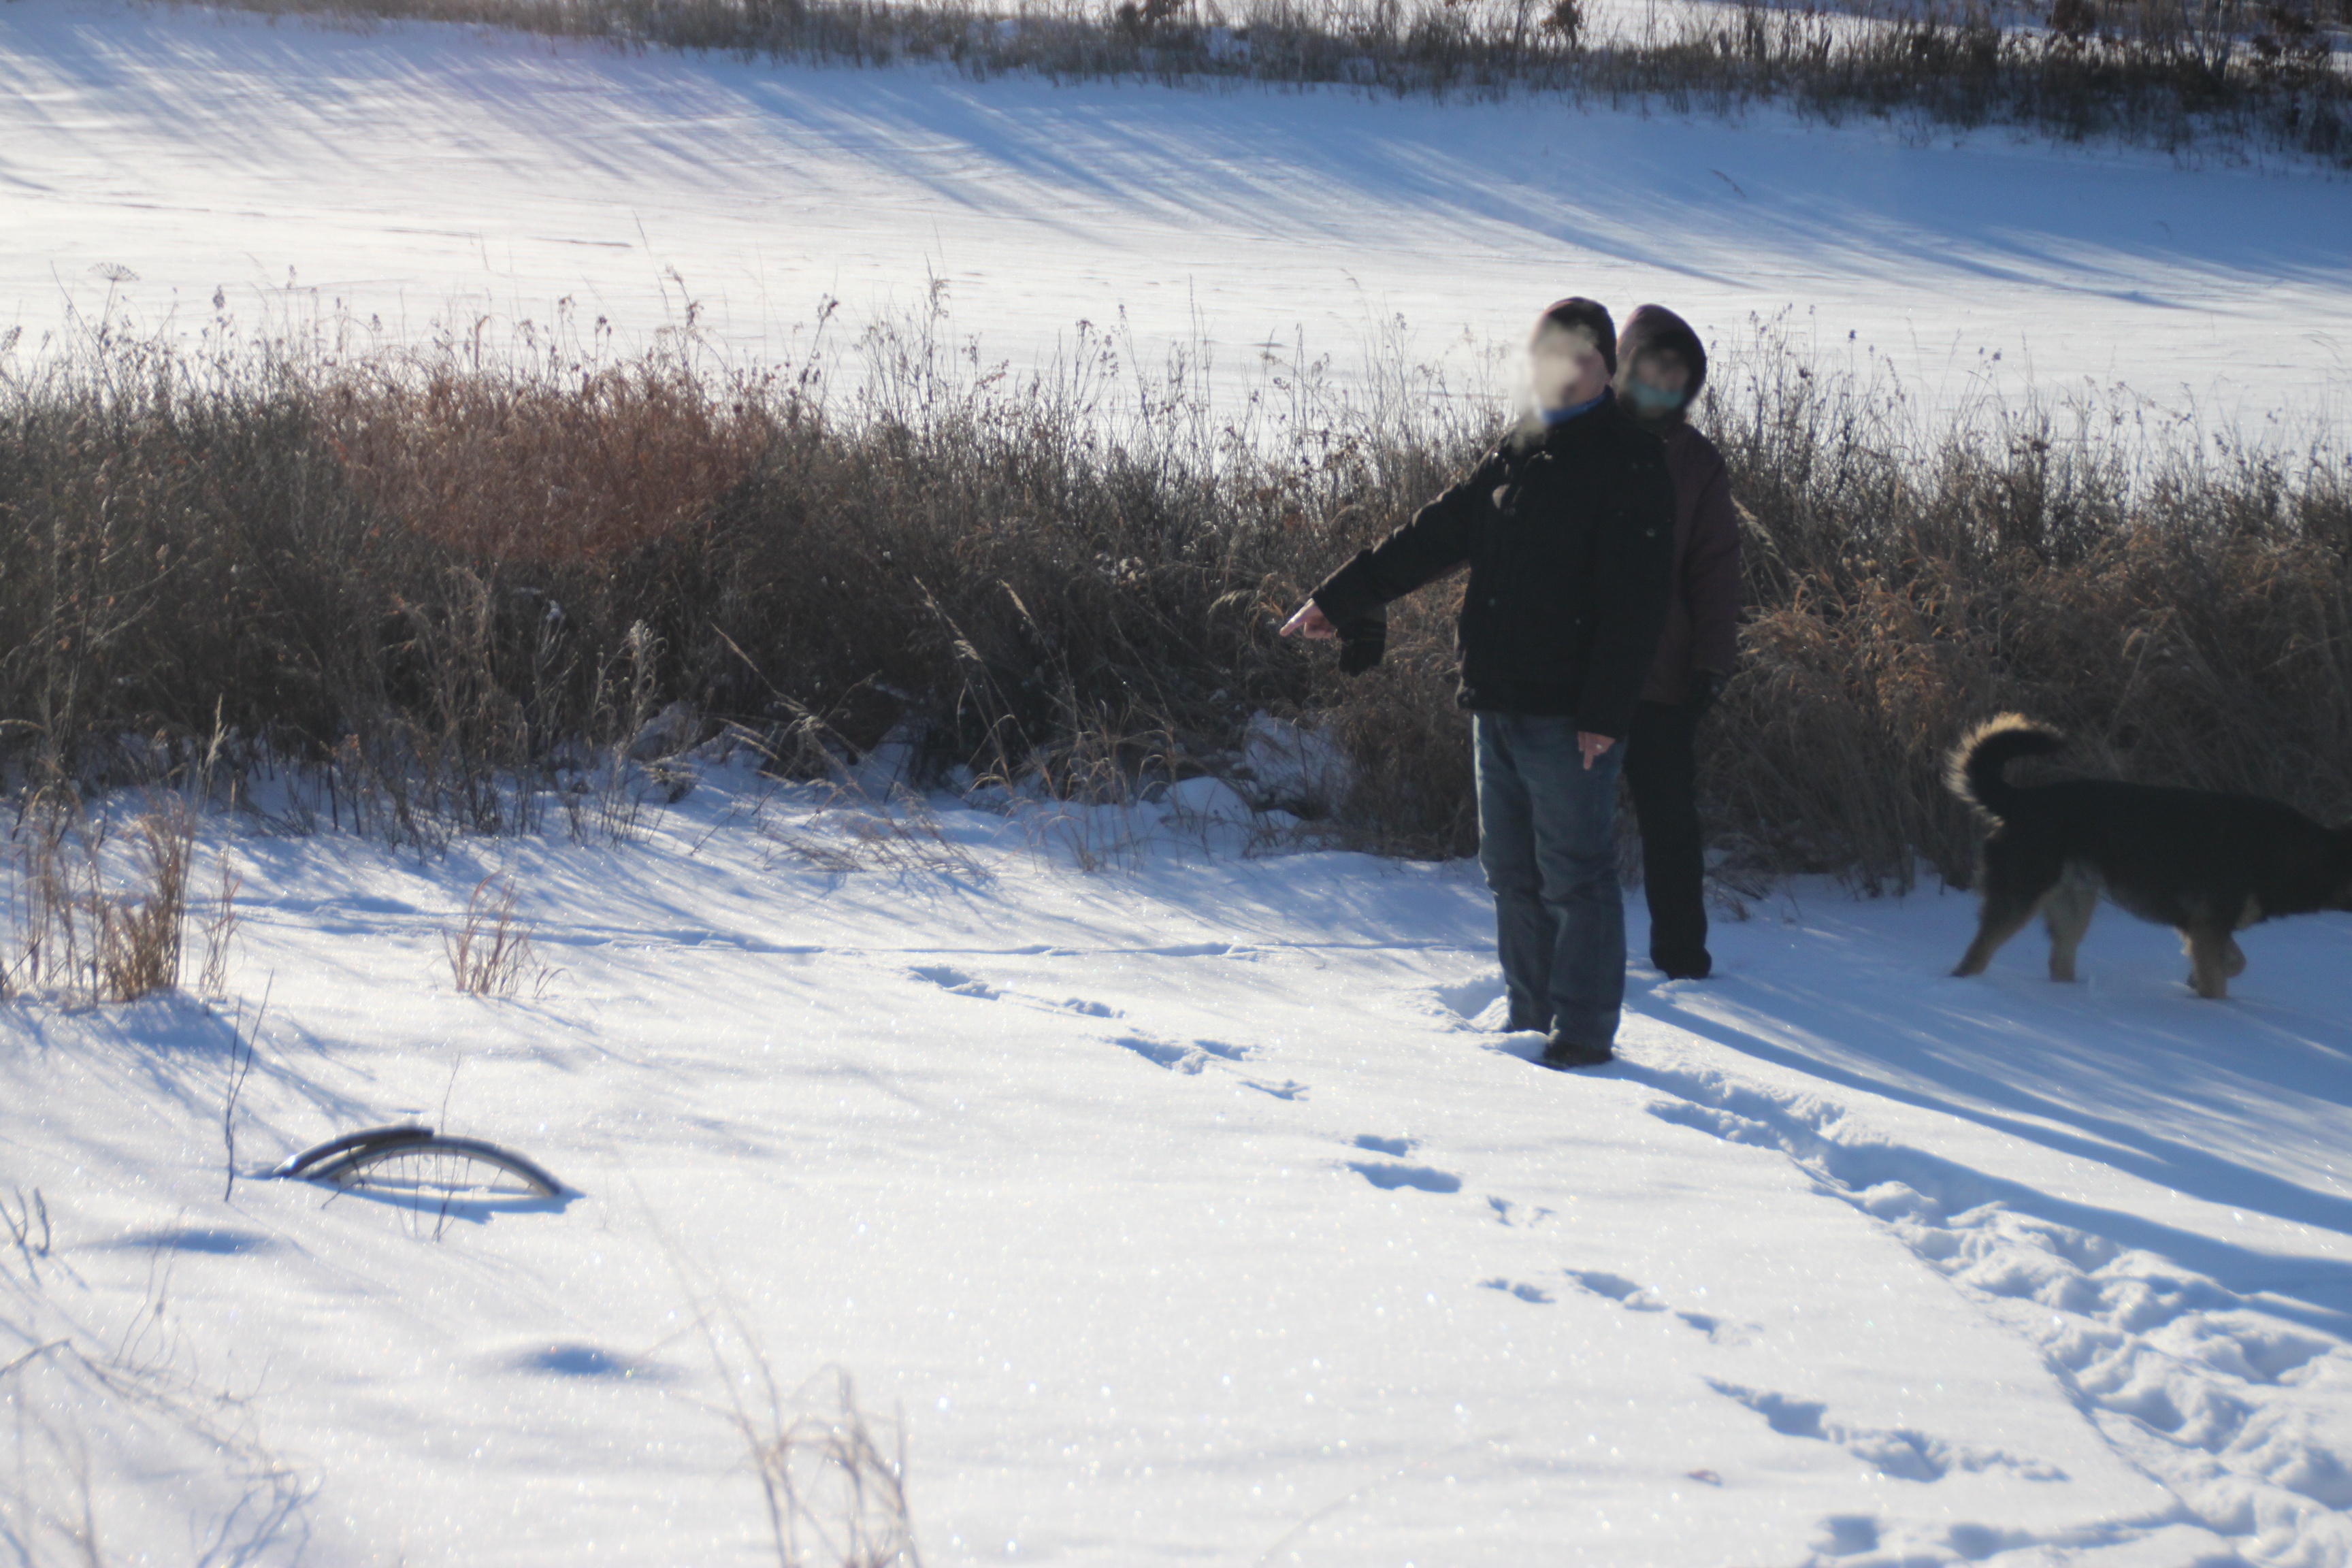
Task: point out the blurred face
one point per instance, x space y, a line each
1659 385
1564 365
1663 375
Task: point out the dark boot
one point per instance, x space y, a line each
1695 963
1563 1052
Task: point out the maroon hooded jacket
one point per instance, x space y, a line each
1703 621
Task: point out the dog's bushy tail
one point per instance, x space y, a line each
1974 772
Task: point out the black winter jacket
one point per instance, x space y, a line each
1570 534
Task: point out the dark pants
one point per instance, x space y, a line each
1547 841
1662 768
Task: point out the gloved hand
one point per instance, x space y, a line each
1706 686
1363 642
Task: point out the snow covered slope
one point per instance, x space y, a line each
431 174
1186 1212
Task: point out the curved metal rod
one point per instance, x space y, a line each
354 1164
300 1164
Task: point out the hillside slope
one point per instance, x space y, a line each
429 176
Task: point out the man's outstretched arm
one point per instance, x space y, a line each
1437 541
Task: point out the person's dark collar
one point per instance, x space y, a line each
1554 418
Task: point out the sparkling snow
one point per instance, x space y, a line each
1192 1210
432 176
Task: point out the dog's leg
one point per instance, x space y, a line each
2067 912
2250 914
2209 962
2005 914
2233 962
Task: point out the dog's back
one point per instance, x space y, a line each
2207 863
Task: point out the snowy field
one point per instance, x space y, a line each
434 175
1189 1211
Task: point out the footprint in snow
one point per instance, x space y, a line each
1529 1218
1388 1177
1523 1293
1847 1535
1470 1000
955 982
1716 1330
1089 1009
1380 1145
1634 1298
1899 1453
1191 1058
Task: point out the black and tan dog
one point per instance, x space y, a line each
2207 864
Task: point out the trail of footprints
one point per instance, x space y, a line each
1899 1453
2230 1406
2235 1406
2240 1406
1189 1056
1903 1454
2243 1412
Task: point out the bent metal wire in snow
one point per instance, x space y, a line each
412 1161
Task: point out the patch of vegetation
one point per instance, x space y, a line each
449 592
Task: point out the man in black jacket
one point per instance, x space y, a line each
1568 530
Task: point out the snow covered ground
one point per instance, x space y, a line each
1189 1211
432 175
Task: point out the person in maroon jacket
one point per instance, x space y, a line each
1661 365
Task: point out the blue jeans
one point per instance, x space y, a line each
1548 843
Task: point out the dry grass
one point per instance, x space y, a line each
835 1486
489 949
141 926
533 475
1066 584
220 928
858 834
91 921
832 1476
2198 75
2181 607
